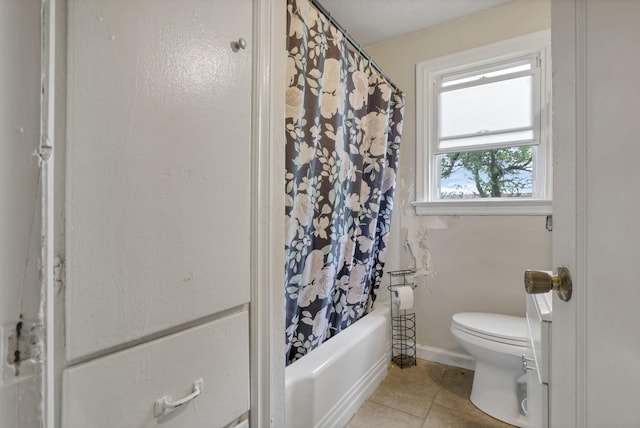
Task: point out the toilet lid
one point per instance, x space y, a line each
494 325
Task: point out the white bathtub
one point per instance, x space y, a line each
327 386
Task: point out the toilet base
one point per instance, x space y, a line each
494 392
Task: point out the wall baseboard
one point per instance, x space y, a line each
443 356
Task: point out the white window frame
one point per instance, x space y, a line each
427 178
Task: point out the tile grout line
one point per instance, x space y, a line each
433 400
394 409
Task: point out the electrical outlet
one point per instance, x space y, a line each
22 349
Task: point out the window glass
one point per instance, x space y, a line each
486 108
499 173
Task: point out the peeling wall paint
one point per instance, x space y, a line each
414 232
415 236
463 263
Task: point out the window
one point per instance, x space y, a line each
483 130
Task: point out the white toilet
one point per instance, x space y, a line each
497 342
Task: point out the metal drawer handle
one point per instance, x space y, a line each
164 404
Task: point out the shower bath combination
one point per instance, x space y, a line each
343 127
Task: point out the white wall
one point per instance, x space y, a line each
20 31
478 262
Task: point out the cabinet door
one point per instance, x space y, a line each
537 396
158 167
127 389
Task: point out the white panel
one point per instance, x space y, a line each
595 345
610 289
537 404
158 166
538 351
119 391
20 219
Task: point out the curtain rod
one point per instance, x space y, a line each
355 44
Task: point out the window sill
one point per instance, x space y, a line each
484 207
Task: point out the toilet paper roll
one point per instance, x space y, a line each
404 297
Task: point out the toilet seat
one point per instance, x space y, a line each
499 328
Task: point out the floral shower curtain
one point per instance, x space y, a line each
343 127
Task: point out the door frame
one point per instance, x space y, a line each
267 216
568 342
48 135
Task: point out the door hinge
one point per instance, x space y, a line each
23 346
58 274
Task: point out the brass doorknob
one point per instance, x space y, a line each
536 281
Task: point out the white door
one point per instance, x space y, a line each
596 345
158 167
157 213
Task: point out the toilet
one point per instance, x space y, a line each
498 343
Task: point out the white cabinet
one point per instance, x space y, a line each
157 214
120 389
158 167
539 312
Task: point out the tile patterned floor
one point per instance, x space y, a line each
429 395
